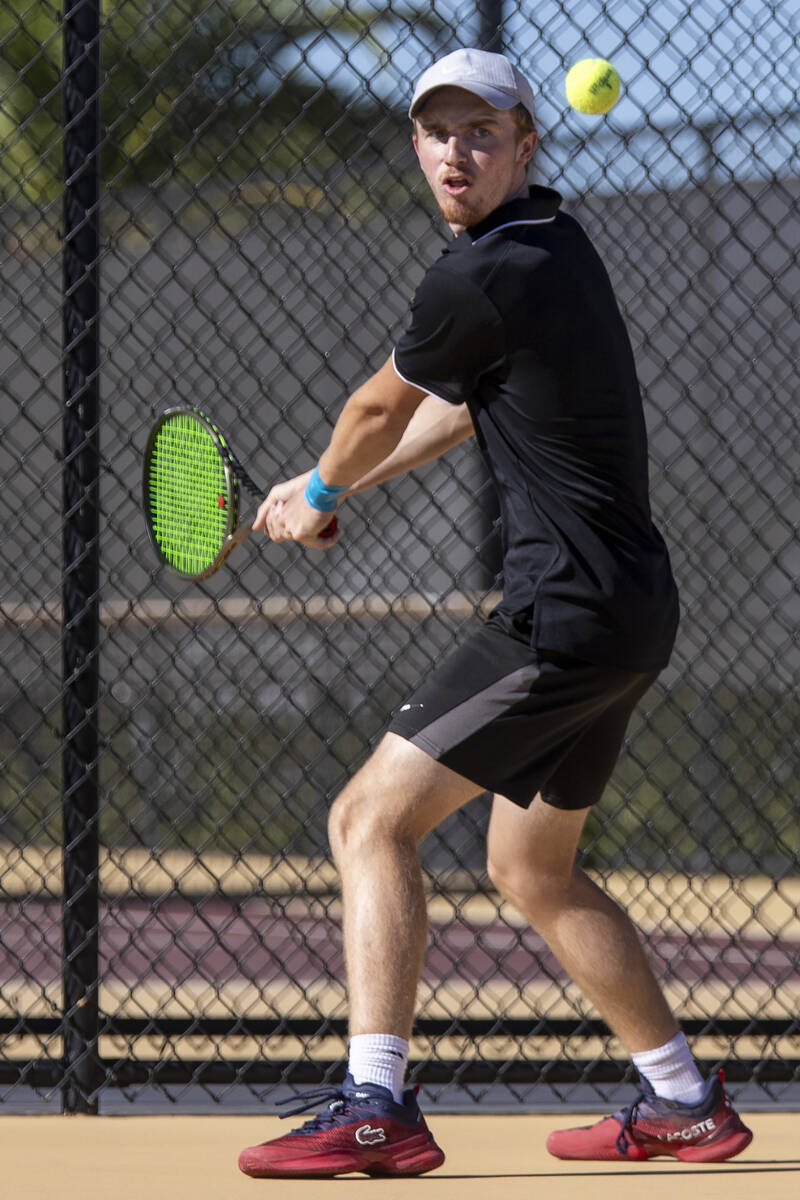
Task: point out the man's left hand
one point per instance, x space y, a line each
286 516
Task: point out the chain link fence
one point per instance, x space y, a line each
249 225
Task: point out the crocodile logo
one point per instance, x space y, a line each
367 1136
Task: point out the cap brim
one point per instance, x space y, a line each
493 96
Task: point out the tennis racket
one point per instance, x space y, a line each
191 491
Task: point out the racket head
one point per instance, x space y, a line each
190 493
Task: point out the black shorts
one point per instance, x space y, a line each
517 721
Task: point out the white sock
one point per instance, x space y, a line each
379 1058
671 1070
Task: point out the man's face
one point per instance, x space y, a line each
471 154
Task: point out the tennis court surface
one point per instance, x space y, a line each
194 1158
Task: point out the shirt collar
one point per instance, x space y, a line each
541 204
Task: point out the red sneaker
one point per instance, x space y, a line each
708 1131
362 1129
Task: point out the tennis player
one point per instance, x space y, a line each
515 338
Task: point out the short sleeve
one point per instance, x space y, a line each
455 336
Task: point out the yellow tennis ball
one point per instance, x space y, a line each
592 86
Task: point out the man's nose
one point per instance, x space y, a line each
456 150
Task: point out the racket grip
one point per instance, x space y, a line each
330 529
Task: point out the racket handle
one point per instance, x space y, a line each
330 529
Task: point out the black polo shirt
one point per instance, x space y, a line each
518 320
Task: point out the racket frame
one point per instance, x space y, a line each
234 475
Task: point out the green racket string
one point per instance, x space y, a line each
189 495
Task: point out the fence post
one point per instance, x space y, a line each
490 17
81 574
490 556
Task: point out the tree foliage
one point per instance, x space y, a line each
192 88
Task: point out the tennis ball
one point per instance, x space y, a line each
592 86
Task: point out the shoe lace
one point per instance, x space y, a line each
626 1119
334 1097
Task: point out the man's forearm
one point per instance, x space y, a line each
434 429
370 427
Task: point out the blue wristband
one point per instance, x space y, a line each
322 496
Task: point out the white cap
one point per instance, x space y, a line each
490 76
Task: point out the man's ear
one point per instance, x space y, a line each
527 146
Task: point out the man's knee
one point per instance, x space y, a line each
373 806
400 794
531 886
350 819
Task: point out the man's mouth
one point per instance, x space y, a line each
455 185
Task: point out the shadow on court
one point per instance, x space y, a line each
751 1168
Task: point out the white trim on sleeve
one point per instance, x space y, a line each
508 224
411 383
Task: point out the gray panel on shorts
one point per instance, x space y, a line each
479 710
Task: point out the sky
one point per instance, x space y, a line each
731 68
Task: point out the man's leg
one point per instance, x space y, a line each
532 862
376 824
375 827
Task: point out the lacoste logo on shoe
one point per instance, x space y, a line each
692 1131
367 1136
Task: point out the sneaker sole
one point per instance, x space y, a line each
729 1147
417 1163
411 1161
726 1148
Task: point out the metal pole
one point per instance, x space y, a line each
490 16
490 552
81 573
